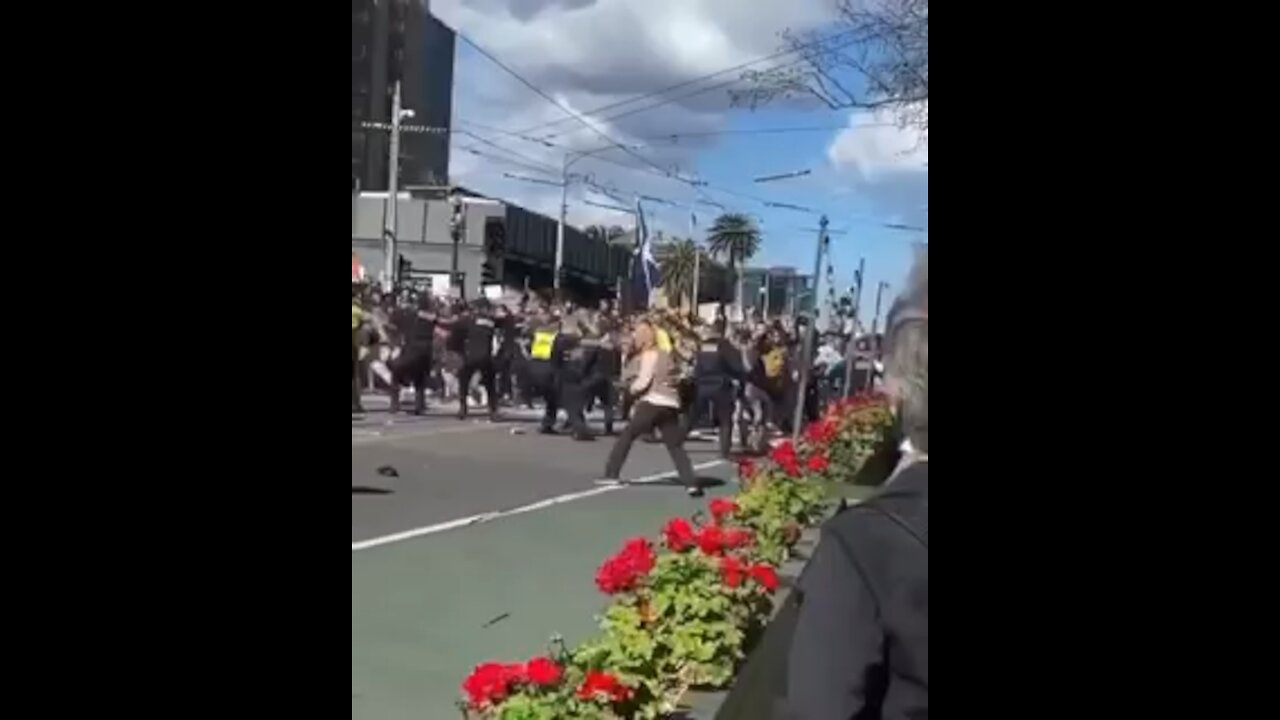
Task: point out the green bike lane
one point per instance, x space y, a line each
425 611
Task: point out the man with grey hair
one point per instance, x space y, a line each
861 645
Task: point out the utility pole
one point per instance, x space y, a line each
880 297
564 214
875 323
806 351
853 340
697 252
393 195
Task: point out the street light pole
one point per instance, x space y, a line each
806 351
396 127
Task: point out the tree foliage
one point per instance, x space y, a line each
678 260
877 60
735 236
604 233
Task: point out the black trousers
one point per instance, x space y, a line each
541 378
600 388
718 398
502 367
573 397
644 419
413 367
469 369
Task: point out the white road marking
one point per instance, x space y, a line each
388 437
522 510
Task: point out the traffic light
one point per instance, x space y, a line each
495 247
403 268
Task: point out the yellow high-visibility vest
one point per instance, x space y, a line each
543 342
664 341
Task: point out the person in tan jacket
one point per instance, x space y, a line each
658 407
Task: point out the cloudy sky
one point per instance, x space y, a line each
589 54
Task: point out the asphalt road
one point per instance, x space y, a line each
482 547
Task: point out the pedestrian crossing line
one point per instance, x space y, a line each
488 517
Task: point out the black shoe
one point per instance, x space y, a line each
584 437
695 492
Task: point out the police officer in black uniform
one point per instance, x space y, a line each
505 358
717 365
477 333
606 371
573 358
414 364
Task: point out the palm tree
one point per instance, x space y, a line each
736 236
678 259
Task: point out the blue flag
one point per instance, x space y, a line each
645 274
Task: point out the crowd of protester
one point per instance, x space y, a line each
531 351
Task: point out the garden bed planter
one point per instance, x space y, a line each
752 685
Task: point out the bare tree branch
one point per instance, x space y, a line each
885 43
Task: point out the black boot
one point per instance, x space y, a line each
419 400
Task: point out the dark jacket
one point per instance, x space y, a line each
477 339
861 645
418 332
717 362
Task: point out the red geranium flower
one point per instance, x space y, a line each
621 572
765 575
731 570
711 540
746 468
818 463
603 686
543 672
491 682
785 456
722 508
821 432
679 534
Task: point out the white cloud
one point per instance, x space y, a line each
873 145
887 165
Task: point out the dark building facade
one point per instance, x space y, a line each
593 267
399 40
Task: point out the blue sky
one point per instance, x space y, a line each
589 53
